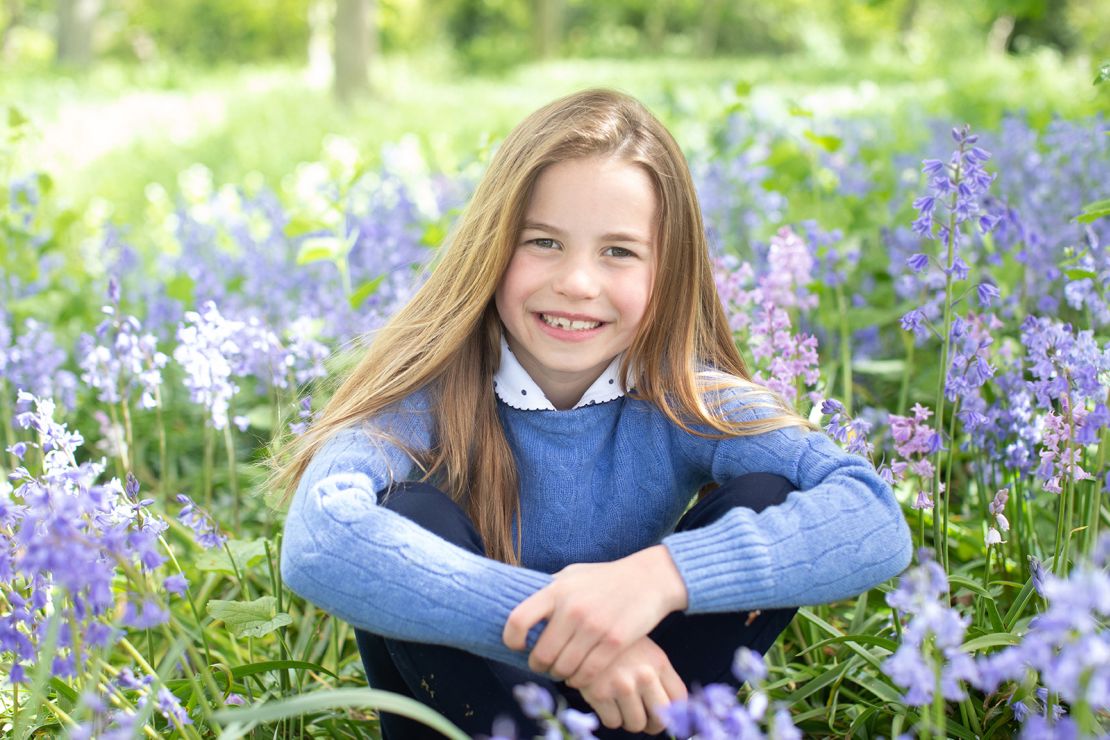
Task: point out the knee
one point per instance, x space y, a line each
756 491
433 510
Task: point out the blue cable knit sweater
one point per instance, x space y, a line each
597 483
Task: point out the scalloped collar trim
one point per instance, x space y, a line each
515 386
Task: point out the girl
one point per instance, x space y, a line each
496 494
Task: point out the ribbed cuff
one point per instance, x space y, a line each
726 566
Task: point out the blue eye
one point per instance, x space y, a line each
619 252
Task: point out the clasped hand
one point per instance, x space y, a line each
595 613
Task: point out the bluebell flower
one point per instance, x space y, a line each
918 262
580 724
535 701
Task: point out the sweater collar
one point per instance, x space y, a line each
515 386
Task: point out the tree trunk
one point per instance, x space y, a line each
655 27
76 21
710 27
355 44
13 9
549 27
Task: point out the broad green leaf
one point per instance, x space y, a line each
743 88
238 722
1076 273
317 248
249 618
364 291
247 554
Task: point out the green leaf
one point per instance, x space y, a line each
182 288
1103 73
888 368
249 618
250 669
317 248
1076 273
247 554
827 142
301 224
1019 605
16 119
799 111
994 639
883 642
364 291
743 88
238 722
1094 211
970 585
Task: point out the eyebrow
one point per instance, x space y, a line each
613 236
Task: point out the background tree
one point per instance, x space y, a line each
76 23
549 27
355 45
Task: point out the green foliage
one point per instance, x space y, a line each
208 31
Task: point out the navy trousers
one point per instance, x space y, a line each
473 691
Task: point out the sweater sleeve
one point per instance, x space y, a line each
841 533
385 574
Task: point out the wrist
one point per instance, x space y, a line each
664 576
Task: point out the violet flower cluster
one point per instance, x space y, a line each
784 361
1067 649
852 433
916 442
715 711
556 723
32 360
63 537
121 358
116 720
931 651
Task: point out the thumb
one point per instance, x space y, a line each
527 613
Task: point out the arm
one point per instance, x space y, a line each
381 572
840 534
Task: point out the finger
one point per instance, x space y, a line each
554 639
570 659
655 698
521 619
633 715
607 712
672 684
601 655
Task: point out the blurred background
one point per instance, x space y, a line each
120 94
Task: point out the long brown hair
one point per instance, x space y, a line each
446 340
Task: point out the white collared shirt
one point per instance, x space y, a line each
515 386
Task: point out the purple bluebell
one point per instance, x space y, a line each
207 532
534 700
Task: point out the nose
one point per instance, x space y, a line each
577 278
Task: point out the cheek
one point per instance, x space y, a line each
635 298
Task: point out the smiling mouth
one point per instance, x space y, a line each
565 324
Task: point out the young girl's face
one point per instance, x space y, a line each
581 273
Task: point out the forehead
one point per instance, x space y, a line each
595 192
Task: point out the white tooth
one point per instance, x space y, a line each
564 323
